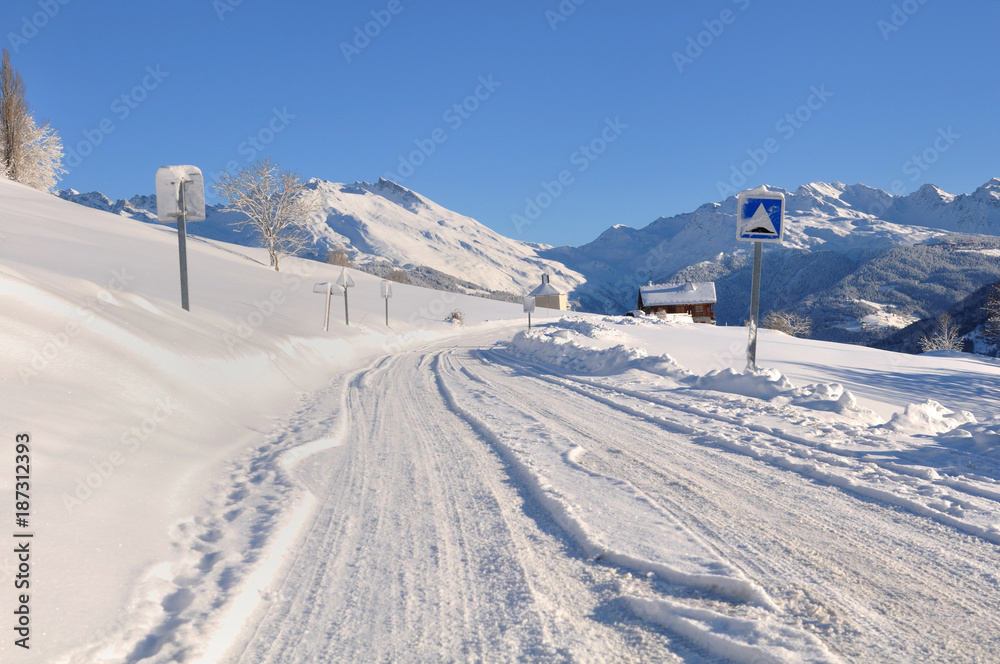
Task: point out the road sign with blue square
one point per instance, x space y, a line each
760 216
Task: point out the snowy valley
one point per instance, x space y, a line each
233 484
499 332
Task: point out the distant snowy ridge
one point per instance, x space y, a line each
857 260
384 221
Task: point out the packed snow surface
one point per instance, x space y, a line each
233 484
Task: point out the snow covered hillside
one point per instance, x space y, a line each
387 222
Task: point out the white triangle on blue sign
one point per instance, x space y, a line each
760 223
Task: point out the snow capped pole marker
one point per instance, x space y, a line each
760 218
325 288
529 306
386 293
345 281
180 197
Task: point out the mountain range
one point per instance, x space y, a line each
858 261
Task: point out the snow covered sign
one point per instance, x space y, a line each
180 190
760 218
345 281
760 215
327 288
324 288
180 197
386 294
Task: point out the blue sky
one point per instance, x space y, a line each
547 120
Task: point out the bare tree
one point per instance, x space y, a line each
399 276
944 337
340 258
13 118
790 323
274 202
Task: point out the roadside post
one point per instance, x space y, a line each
386 294
325 288
345 281
529 307
180 198
760 218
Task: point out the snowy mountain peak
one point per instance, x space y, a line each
821 190
138 207
932 195
989 192
396 193
93 199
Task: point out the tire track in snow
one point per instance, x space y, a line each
579 508
880 585
422 551
922 494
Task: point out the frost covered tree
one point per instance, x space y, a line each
275 205
991 330
42 156
790 323
29 153
944 336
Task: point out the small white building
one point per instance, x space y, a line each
548 296
696 299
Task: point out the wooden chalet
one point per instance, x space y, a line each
696 299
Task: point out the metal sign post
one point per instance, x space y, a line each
182 245
180 196
758 250
386 293
529 307
760 218
325 288
345 281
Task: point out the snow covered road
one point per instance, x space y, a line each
425 550
483 507
470 501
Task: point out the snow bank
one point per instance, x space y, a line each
589 327
761 384
771 385
928 418
569 345
582 346
562 350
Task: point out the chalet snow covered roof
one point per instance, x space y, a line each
659 295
